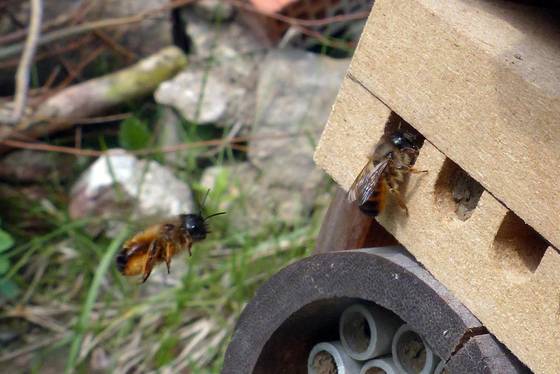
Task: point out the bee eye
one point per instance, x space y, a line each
195 226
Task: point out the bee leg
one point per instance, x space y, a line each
189 249
410 169
399 199
149 264
168 255
416 171
185 240
414 152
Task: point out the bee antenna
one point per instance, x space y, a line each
213 215
204 201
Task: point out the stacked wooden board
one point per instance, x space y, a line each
480 81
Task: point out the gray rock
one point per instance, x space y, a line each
214 10
170 133
240 181
255 201
225 42
217 86
295 93
33 166
120 186
184 94
144 38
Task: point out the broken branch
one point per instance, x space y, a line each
22 75
100 94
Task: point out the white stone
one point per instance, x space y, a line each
119 185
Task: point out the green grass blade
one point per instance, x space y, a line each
83 321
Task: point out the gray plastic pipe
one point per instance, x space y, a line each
331 358
383 365
440 369
366 331
411 354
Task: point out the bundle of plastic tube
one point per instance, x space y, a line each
373 341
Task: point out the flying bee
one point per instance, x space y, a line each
159 243
384 172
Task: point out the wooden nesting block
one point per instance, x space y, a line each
481 81
492 261
498 266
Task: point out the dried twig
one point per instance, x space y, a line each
57 35
235 129
100 94
22 75
51 339
55 51
143 152
37 319
76 71
116 46
47 25
14 49
51 78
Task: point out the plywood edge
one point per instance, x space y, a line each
355 117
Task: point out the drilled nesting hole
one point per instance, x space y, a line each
324 363
396 123
456 191
518 247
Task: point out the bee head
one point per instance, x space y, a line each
195 225
403 140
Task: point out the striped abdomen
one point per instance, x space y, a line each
376 202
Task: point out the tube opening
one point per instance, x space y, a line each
411 352
324 363
375 371
357 332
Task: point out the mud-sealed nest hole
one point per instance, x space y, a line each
356 329
457 191
412 352
324 363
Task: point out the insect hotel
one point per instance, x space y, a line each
469 280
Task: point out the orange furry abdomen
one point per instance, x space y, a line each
376 202
132 258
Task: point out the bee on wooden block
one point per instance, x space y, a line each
384 172
159 243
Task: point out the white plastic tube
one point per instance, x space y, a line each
440 369
384 365
411 354
366 331
331 358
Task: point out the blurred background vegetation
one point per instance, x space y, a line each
244 114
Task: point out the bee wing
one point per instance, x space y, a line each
364 185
